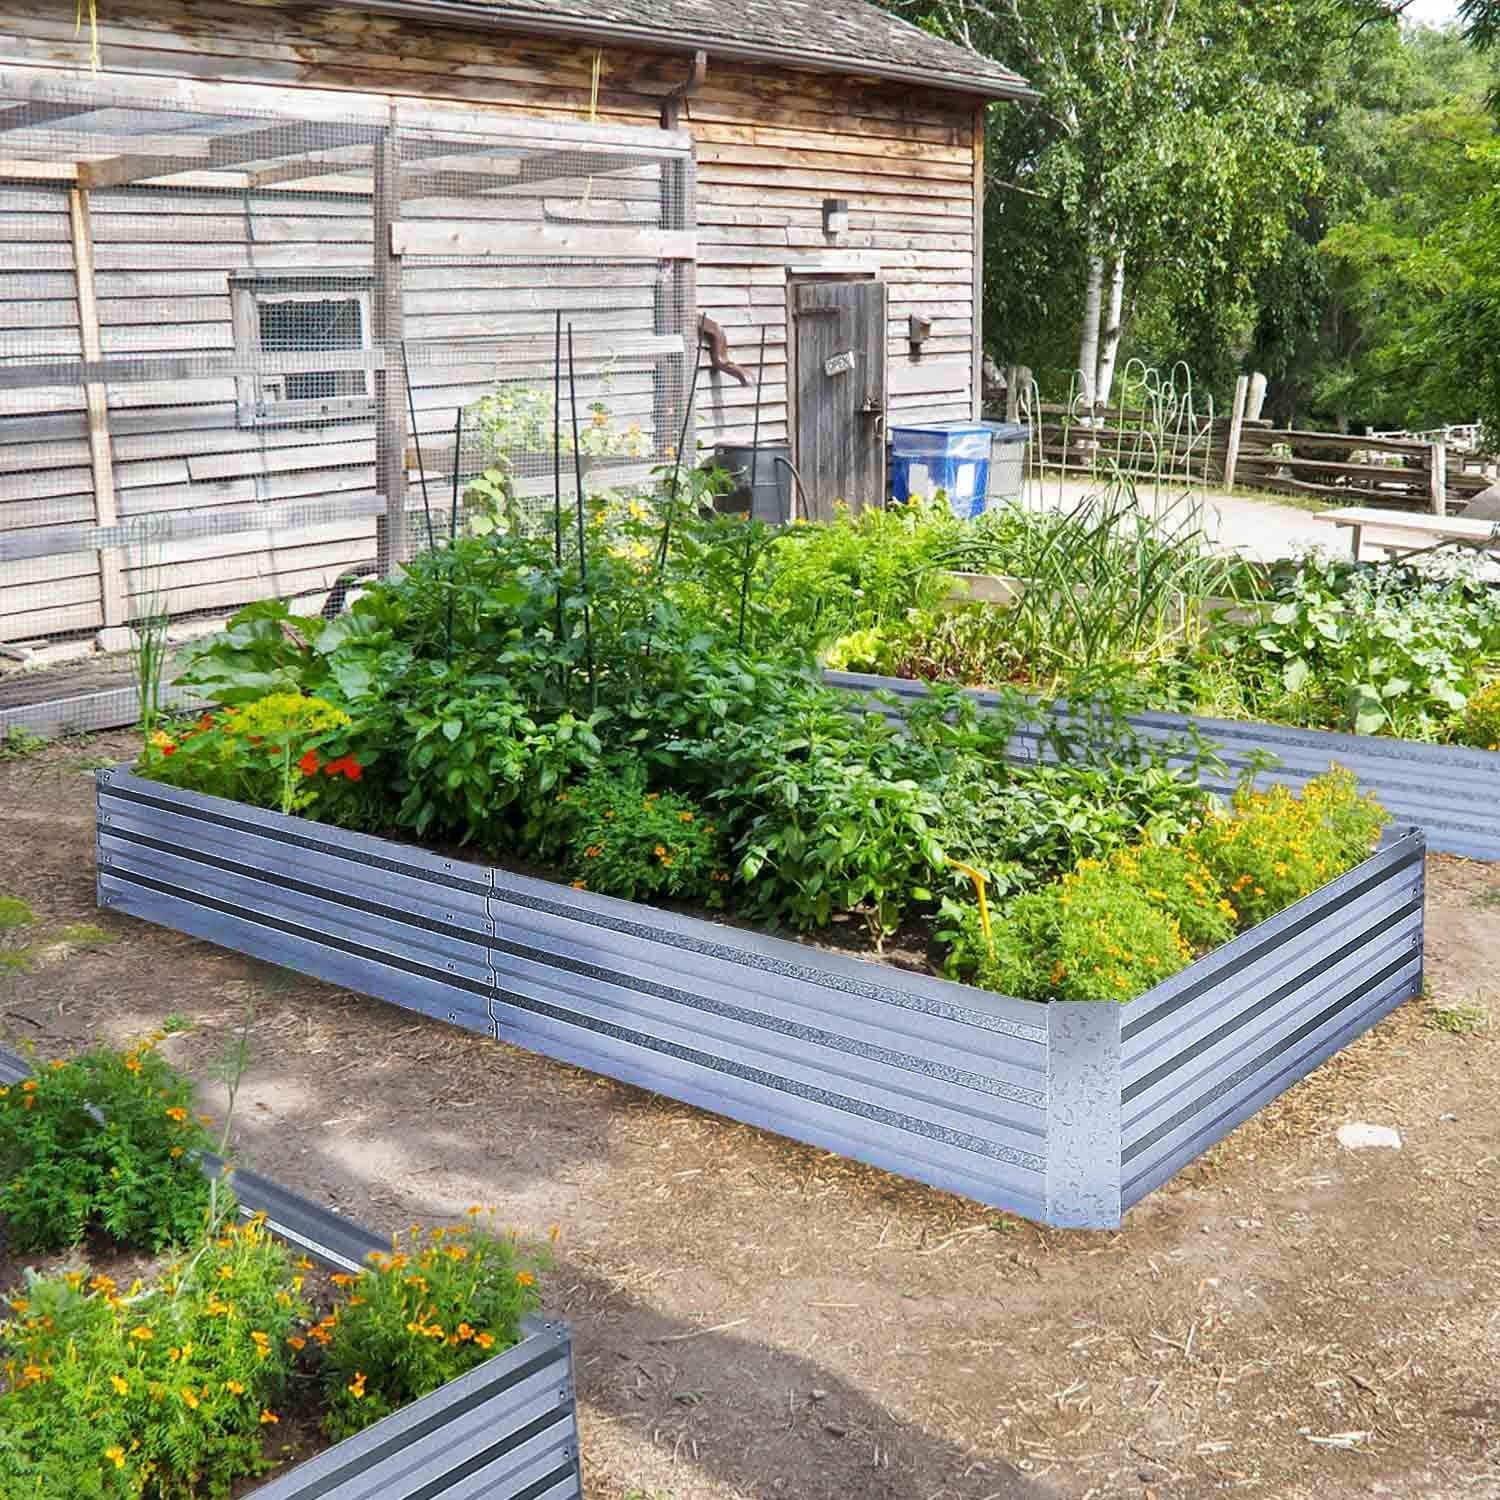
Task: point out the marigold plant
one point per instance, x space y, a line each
104 1140
160 1390
1480 726
631 842
1274 847
439 1303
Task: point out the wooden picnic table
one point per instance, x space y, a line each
1422 531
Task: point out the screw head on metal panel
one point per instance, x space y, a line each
447 916
452 1014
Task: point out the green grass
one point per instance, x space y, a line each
17 743
176 1022
1462 1018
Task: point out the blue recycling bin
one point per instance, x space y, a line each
950 456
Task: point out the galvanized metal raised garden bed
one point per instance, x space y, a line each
1067 1113
1449 791
505 1430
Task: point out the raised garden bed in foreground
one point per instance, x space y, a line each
1451 792
505 1430
1067 1113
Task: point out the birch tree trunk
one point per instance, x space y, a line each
1088 342
1109 338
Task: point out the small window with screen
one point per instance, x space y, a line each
284 326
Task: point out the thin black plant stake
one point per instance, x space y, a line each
557 464
760 371
583 552
416 437
687 417
458 442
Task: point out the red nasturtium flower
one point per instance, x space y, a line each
345 765
309 763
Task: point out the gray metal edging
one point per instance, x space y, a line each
1452 792
1031 1107
521 1404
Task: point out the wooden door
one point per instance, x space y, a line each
839 357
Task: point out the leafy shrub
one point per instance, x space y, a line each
1481 721
161 1391
435 1306
1376 650
627 841
106 1139
1275 848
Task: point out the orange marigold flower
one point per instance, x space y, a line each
484 1340
357 1385
267 1417
177 1113
142 1334
525 1278
29 1087
132 1063
296 1342
342 1278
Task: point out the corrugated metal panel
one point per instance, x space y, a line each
400 924
1452 793
506 1430
931 1079
1207 1048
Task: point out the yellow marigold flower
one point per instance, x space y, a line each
190 1398
474 1209
226 1273
484 1340
342 1278
116 1455
142 1334
175 1152
29 1087
684 817
132 1063
357 1385
177 1113
660 850
525 1278
122 1387
302 1263
267 1417
234 1388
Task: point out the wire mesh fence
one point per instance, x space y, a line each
245 350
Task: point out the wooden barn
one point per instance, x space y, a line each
256 258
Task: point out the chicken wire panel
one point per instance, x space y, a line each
238 341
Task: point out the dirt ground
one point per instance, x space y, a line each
756 1319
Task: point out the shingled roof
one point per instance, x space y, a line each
842 36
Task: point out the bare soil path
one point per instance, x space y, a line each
759 1320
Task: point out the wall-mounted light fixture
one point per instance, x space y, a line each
918 330
835 217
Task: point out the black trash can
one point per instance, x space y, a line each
772 499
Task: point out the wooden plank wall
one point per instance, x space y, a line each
772 144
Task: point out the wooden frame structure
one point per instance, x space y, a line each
416 167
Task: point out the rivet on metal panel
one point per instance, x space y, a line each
109 900
447 916
447 864
104 817
104 859
451 966
452 1014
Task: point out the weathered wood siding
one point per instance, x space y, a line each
772 145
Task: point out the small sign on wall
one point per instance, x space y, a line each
839 364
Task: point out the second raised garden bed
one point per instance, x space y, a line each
1067 1113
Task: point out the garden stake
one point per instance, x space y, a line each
416 437
458 439
583 561
760 371
984 906
687 417
557 463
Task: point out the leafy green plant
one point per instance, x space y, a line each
438 1304
1376 650
161 1391
631 842
106 1139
